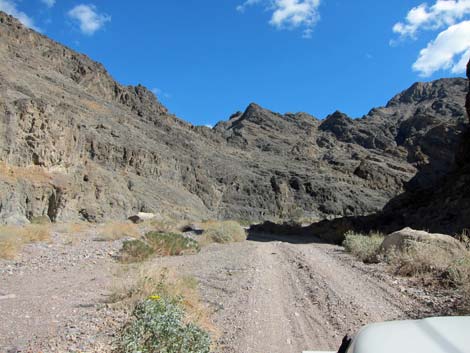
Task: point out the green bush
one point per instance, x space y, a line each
163 244
223 232
170 244
158 325
135 251
364 247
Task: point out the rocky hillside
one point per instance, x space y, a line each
444 205
75 144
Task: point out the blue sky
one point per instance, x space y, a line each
207 59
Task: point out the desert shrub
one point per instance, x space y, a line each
10 244
464 238
167 312
434 263
158 325
117 230
163 225
135 250
459 272
170 244
150 279
12 238
364 247
223 232
421 259
163 244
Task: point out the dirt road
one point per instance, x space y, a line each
267 295
278 296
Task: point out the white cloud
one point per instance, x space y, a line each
48 3
443 13
442 52
88 18
246 4
10 7
289 14
450 50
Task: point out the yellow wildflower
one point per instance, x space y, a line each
154 297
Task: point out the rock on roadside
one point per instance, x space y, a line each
409 238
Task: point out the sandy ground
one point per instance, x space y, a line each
267 295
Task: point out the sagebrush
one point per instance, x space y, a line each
158 325
223 232
364 247
171 244
168 315
156 243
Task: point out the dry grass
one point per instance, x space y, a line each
12 238
117 230
163 225
153 280
222 232
71 228
464 238
423 260
364 247
459 272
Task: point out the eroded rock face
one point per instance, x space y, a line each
75 144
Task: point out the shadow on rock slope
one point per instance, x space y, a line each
441 206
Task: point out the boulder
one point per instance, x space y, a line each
410 238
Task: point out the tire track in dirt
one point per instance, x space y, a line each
303 298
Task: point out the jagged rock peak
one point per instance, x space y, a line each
256 113
335 121
422 91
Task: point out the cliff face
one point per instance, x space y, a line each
442 206
75 144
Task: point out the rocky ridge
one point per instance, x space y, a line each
441 204
75 144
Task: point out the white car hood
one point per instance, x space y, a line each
433 335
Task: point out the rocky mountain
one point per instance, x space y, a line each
443 205
75 144
437 203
